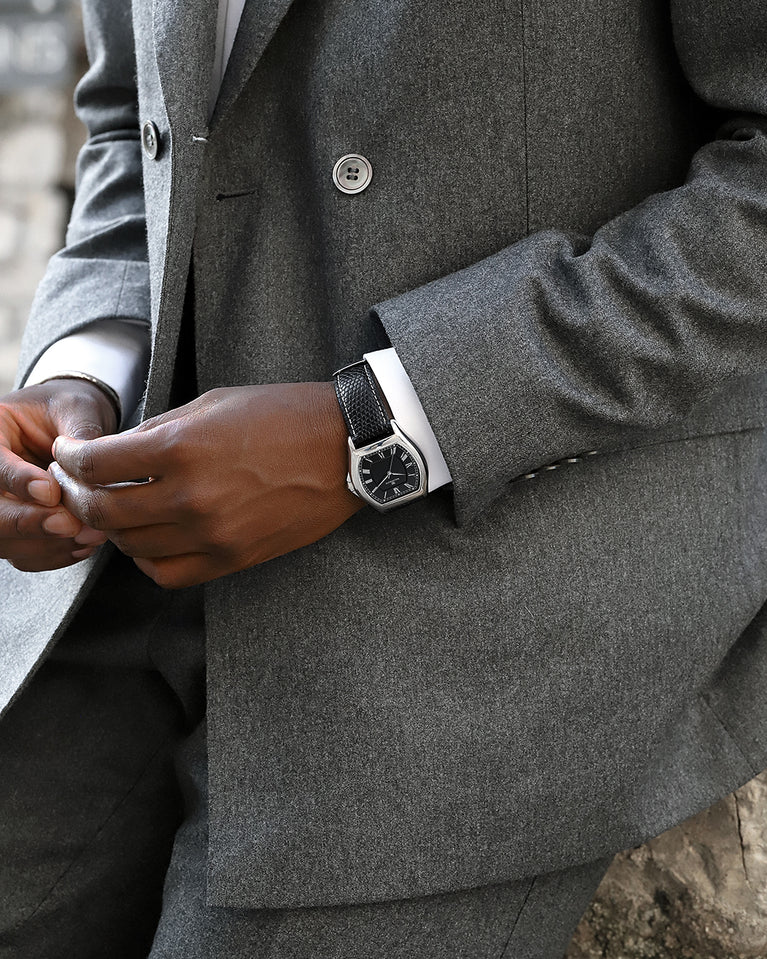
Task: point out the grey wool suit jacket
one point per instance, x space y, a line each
565 238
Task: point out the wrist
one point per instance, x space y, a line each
334 439
386 469
100 395
96 387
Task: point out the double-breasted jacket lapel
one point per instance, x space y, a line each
185 34
260 19
184 37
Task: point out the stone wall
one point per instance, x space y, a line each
698 891
39 140
33 205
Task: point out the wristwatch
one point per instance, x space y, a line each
386 468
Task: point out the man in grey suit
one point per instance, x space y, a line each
544 228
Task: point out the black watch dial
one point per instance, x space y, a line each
389 473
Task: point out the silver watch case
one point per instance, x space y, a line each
397 438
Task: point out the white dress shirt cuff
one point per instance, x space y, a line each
407 411
115 352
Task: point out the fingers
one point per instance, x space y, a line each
20 520
37 556
117 507
153 542
177 572
123 458
27 481
33 538
30 419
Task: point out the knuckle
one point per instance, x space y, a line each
216 533
220 536
180 501
192 503
5 474
10 481
83 464
18 521
126 544
122 543
164 578
176 448
91 511
89 429
9 408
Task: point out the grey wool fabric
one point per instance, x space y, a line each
565 240
96 861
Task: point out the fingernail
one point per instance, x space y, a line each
42 492
90 537
61 524
83 553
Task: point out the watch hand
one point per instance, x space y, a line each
382 482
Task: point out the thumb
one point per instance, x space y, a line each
87 415
82 430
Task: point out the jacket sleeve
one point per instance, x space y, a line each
563 343
102 270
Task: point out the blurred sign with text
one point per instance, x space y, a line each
36 40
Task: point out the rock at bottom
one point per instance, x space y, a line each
698 891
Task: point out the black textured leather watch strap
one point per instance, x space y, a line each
361 403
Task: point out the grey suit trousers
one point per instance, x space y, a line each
103 802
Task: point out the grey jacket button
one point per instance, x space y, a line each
352 173
150 139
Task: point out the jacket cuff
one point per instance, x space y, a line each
75 293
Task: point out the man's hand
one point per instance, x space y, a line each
36 532
234 478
